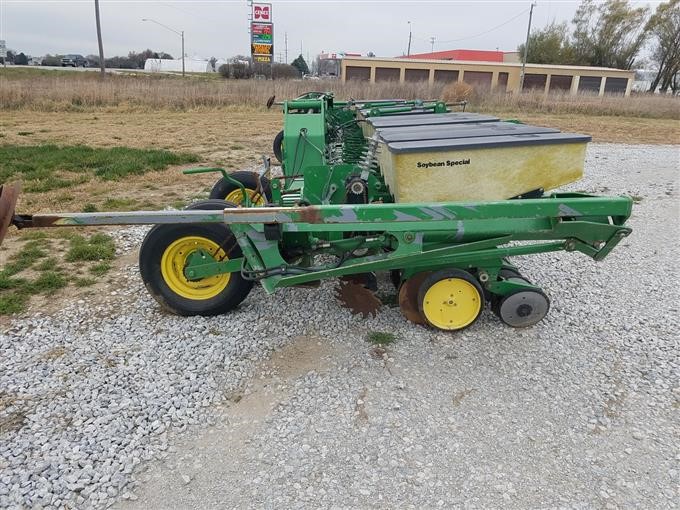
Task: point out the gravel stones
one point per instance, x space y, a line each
576 411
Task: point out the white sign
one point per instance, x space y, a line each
262 12
3 49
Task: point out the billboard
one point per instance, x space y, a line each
262 34
262 13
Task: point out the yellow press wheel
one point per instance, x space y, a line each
257 188
165 253
450 299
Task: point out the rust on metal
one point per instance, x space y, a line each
309 214
8 201
45 220
358 299
408 297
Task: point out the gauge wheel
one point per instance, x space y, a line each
225 190
164 255
450 299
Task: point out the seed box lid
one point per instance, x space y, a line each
486 142
418 119
466 130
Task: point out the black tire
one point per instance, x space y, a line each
395 278
278 146
212 204
222 188
157 242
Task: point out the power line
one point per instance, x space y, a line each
487 31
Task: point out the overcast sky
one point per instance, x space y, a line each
219 27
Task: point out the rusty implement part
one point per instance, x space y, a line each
8 201
358 298
408 297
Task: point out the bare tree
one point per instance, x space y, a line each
102 63
608 34
664 27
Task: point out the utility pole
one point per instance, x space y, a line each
432 39
182 53
286 45
526 49
102 64
408 51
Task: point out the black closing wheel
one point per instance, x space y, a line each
165 253
255 186
524 308
278 146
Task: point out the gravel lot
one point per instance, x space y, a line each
283 403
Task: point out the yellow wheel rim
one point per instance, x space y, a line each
174 260
236 197
452 303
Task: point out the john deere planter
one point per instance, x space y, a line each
441 200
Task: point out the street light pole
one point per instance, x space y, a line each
181 34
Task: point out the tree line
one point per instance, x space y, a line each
133 60
613 34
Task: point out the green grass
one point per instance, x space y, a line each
50 264
48 283
97 247
14 302
51 182
381 338
8 282
29 254
100 269
84 282
29 235
16 290
42 167
119 204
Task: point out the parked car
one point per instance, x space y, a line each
73 61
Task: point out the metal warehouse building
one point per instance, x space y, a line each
500 76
